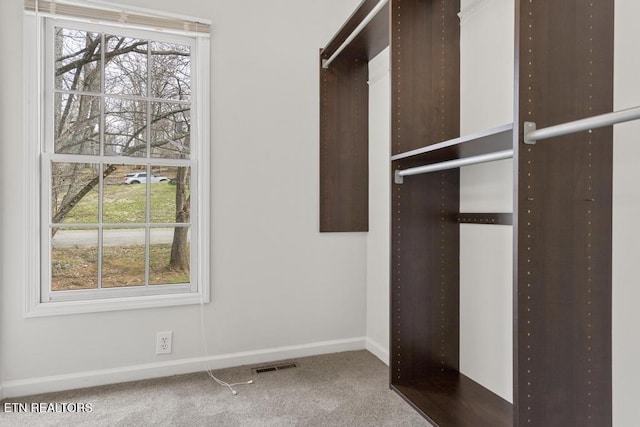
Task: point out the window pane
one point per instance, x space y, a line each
170 130
170 71
125 127
74 259
124 197
125 71
123 257
77 56
171 196
112 100
169 256
74 193
77 124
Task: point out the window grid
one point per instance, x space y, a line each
50 156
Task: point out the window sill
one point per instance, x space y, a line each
62 308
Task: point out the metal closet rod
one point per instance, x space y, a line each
531 134
354 34
452 164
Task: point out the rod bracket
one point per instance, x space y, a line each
325 64
528 128
397 178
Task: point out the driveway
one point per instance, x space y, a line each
113 237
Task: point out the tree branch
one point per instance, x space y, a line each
96 57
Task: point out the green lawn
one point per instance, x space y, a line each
126 204
77 268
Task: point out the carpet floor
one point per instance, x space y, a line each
342 389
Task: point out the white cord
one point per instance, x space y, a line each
206 355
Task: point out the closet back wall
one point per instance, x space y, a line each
626 211
378 242
486 254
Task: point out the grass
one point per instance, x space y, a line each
124 265
127 204
77 268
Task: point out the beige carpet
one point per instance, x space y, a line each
343 389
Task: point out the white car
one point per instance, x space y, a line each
141 178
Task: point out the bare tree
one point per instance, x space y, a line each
179 247
132 69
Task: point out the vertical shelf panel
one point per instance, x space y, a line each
564 193
344 121
425 46
344 150
425 291
425 73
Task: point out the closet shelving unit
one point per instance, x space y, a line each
562 203
344 123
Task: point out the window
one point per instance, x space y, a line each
123 161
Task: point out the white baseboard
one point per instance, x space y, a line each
378 350
55 383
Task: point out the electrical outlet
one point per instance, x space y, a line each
163 342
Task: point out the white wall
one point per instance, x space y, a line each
626 213
486 101
10 113
378 241
276 282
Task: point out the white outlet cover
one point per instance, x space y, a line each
163 342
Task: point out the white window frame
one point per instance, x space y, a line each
38 154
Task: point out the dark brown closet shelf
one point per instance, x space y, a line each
452 399
370 41
344 130
485 142
562 309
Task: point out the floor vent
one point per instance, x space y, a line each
264 369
